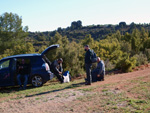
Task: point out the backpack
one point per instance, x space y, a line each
93 57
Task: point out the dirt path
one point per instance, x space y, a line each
57 101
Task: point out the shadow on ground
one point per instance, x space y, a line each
68 87
12 89
16 89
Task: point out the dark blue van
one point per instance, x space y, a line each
39 68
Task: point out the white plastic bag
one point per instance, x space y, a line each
66 78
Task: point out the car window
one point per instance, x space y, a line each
37 60
4 64
26 60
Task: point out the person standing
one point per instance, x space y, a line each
88 64
56 68
23 73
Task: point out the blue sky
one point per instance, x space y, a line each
48 15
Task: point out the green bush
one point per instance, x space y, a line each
141 59
147 52
109 65
126 64
71 52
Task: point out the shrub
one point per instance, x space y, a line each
141 59
126 64
147 52
109 65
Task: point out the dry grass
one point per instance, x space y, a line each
130 95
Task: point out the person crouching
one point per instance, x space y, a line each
99 73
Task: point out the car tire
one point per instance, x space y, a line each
37 81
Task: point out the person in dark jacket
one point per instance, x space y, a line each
56 68
88 64
23 72
98 73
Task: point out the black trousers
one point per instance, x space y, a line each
88 72
60 78
94 75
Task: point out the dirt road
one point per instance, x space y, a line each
68 100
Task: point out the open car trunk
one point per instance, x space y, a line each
43 54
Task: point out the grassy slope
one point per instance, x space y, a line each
123 96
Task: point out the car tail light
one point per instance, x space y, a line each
46 66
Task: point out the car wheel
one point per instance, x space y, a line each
37 81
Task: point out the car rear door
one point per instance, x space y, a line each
13 71
5 76
49 48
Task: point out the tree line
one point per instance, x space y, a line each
119 49
76 31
